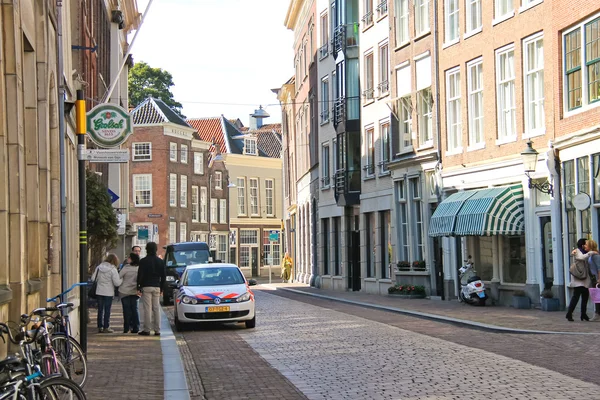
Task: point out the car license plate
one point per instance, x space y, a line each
217 309
481 294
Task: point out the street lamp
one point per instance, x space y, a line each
217 157
530 158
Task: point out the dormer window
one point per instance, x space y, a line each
250 146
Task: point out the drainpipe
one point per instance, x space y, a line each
436 55
61 133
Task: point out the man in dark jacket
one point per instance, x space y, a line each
151 281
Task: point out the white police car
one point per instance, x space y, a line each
213 293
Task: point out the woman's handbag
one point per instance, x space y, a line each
92 292
595 294
579 269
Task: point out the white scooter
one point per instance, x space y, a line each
472 290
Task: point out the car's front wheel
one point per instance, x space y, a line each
251 323
178 324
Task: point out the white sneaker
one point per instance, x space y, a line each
596 318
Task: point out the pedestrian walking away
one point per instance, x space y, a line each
594 262
151 281
580 279
108 280
129 295
286 267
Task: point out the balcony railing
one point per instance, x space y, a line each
325 182
368 94
344 36
383 87
382 8
325 116
324 51
369 169
340 181
367 19
339 110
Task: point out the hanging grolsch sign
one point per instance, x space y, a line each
108 125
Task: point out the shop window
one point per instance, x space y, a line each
514 269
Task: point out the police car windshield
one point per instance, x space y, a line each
213 276
186 257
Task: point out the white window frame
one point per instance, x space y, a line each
254 199
529 101
214 210
369 77
137 155
182 232
241 196
451 35
172 152
198 163
503 10
137 180
475 104
250 146
401 22
173 190
383 88
369 167
218 180
505 91
386 142
325 166
184 154
195 204
203 204
183 191
325 100
222 211
470 6
405 123
172 232
454 125
270 197
527 4
422 24
425 116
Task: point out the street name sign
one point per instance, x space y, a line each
105 156
108 125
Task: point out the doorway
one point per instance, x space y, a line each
254 261
354 261
547 251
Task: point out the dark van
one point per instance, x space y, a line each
177 257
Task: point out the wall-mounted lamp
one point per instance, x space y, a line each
530 158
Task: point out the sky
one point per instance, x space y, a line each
225 55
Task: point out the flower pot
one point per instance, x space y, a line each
407 296
550 304
521 302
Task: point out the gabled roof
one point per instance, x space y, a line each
155 111
210 129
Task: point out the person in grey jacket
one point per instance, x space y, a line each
129 294
108 278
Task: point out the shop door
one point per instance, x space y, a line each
354 261
254 261
547 251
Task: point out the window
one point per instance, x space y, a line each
421 17
271 248
324 50
384 70
424 101
368 92
142 190
142 151
214 210
173 190
241 197
184 154
370 150
404 89
582 89
417 215
370 244
367 19
503 8
403 249
451 11
218 180
183 190
173 151
222 211
337 240
250 146
183 232
401 7
195 204
384 129
382 8
203 204
254 208
269 197
475 88
505 78
325 100
325 167
325 235
453 117
473 16
221 247
385 243
198 163
172 232
533 67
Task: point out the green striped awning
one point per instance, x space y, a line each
483 212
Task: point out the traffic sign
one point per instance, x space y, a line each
273 236
105 156
113 196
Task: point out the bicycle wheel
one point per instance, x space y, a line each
71 355
50 366
60 389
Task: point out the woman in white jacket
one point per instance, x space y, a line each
108 279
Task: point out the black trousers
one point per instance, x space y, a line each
579 291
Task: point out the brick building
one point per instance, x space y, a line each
176 195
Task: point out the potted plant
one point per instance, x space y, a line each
520 300
418 265
406 291
549 303
403 266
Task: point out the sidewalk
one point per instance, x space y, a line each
497 318
126 366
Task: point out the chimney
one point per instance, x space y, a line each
256 119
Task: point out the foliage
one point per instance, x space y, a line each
547 294
403 265
519 293
402 288
419 265
145 81
101 218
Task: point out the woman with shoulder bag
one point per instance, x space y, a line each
580 279
594 263
107 278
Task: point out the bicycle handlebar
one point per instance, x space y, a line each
59 296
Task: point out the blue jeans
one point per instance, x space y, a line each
104 304
131 315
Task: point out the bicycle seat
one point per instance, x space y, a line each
64 305
473 279
10 362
